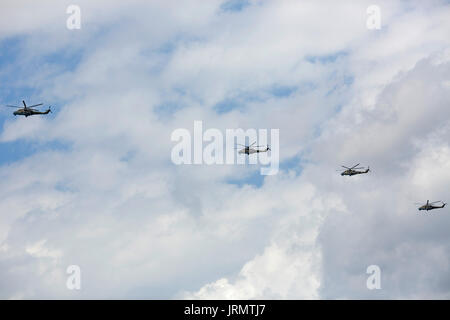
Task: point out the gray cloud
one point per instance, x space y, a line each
112 202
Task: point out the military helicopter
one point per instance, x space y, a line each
252 149
430 205
28 111
354 170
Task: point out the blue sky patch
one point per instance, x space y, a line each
234 5
166 110
13 151
283 91
325 59
228 105
294 163
254 178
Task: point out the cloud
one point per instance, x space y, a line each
409 124
289 267
100 191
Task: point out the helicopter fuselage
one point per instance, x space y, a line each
251 151
29 112
353 172
429 207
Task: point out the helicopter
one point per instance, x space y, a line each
252 149
28 111
354 170
430 205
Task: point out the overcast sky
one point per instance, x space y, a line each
93 184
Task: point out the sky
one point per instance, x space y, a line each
93 184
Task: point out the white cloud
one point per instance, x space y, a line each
112 202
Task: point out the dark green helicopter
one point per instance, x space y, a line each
353 170
28 111
430 205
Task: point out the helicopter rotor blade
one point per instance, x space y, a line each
345 167
252 144
24 104
355 166
35 105
12 106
